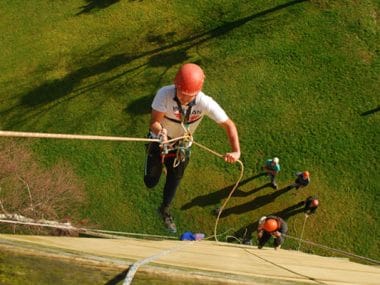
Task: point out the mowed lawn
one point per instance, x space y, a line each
299 78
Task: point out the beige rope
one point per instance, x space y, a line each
232 191
303 228
81 137
16 219
333 249
71 136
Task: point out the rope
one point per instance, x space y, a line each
67 226
82 137
303 228
284 268
133 234
333 249
135 266
56 225
232 191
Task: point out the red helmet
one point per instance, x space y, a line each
315 203
189 79
306 174
270 225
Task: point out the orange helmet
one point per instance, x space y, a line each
306 174
270 225
315 203
189 79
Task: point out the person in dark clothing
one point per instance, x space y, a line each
311 205
302 180
271 226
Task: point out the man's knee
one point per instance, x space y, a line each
150 181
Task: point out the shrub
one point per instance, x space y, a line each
29 190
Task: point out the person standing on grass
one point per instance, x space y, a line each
271 226
311 205
302 180
272 168
177 110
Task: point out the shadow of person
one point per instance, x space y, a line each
245 233
255 203
217 196
95 5
369 112
291 211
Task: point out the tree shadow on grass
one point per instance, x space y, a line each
217 196
140 106
161 56
256 203
245 233
166 55
94 5
56 89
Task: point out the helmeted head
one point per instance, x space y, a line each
305 174
189 79
270 225
315 203
276 160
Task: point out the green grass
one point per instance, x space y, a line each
295 76
21 268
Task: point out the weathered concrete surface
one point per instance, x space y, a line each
226 261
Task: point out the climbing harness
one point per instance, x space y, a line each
181 148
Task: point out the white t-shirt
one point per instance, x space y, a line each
204 105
